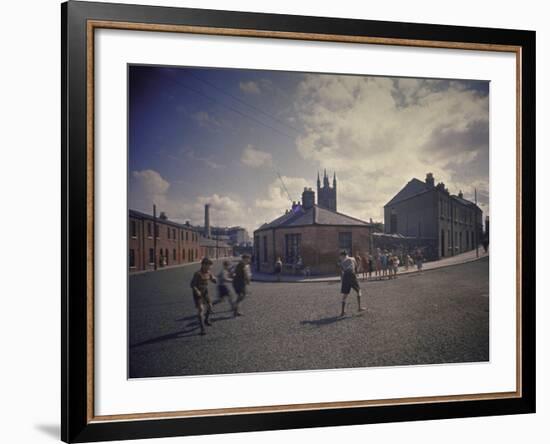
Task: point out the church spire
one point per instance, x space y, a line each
318 180
334 180
325 179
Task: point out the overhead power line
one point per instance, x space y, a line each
231 108
238 99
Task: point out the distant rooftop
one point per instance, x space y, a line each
141 215
315 215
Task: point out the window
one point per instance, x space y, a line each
183 255
166 255
174 234
133 228
132 258
265 249
292 247
151 256
167 232
344 242
257 250
157 231
393 222
149 229
187 235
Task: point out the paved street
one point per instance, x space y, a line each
438 316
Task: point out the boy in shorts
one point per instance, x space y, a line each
349 281
199 285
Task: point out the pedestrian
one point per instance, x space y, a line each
419 259
408 262
378 262
241 281
359 264
371 265
224 278
199 285
384 263
278 268
485 243
390 266
395 266
349 280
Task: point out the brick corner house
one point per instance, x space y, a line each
316 233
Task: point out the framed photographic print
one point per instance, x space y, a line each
277 221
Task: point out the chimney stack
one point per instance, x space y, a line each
430 180
207 221
308 198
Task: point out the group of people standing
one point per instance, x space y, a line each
385 264
239 277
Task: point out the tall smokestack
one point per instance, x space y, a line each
207 220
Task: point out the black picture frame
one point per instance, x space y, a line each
76 423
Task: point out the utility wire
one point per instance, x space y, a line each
231 108
244 102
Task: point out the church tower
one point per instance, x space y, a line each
326 196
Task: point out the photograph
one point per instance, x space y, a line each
286 221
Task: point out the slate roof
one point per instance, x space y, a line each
413 188
463 201
141 215
315 215
416 187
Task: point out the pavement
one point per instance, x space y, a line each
417 319
458 259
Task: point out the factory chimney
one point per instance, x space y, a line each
207 221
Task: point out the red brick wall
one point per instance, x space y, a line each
319 246
182 244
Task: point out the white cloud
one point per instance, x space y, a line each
206 119
249 87
147 187
256 158
208 161
378 133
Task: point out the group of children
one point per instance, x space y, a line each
240 277
381 263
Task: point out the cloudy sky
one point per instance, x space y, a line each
223 136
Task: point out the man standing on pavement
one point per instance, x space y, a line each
349 280
199 285
241 280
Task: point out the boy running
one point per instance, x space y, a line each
241 280
349 280
199 285
224 278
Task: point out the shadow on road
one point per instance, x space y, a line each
191 329
186 332
324 321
